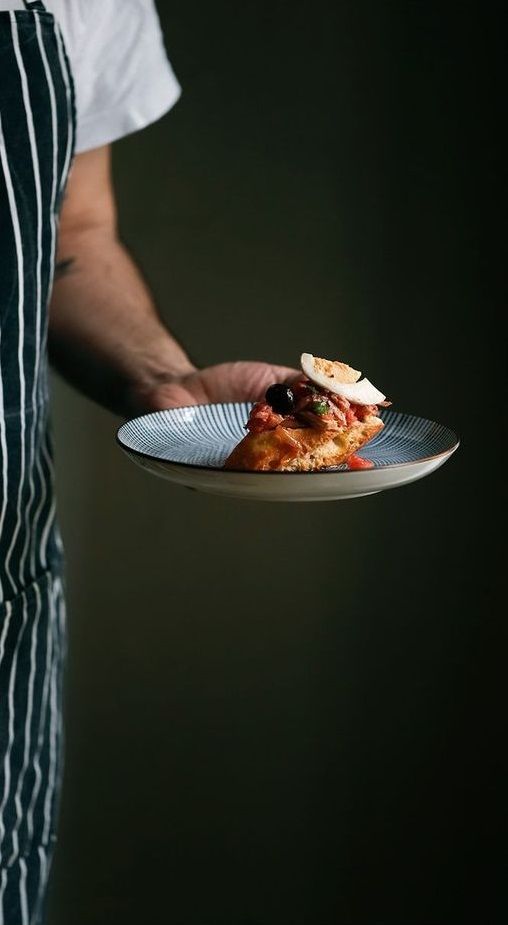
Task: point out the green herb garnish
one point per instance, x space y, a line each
320 407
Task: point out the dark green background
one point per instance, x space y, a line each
284 714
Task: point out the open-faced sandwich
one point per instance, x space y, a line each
317 422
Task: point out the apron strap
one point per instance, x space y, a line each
34 5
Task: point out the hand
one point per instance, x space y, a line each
238 381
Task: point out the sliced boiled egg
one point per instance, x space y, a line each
340 379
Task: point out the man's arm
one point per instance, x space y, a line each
105 335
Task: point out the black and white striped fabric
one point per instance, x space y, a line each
36 148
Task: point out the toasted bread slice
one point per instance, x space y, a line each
301 449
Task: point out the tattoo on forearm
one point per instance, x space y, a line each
63 267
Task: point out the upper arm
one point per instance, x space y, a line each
89 202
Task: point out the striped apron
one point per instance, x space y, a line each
36 147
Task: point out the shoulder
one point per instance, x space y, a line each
121 72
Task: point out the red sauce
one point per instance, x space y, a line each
357 462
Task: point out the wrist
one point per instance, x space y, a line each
143 395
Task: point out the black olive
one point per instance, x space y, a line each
281 398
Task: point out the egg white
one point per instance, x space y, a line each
361 393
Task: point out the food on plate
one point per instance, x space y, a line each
317 422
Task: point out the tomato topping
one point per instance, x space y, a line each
306 405
358 462
263 417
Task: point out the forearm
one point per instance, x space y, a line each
105 335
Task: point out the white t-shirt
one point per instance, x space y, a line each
122 76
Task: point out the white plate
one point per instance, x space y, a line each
189 446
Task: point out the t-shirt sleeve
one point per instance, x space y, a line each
122 75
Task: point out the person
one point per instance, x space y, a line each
75 75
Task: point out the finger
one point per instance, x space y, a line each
286 374
252 379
